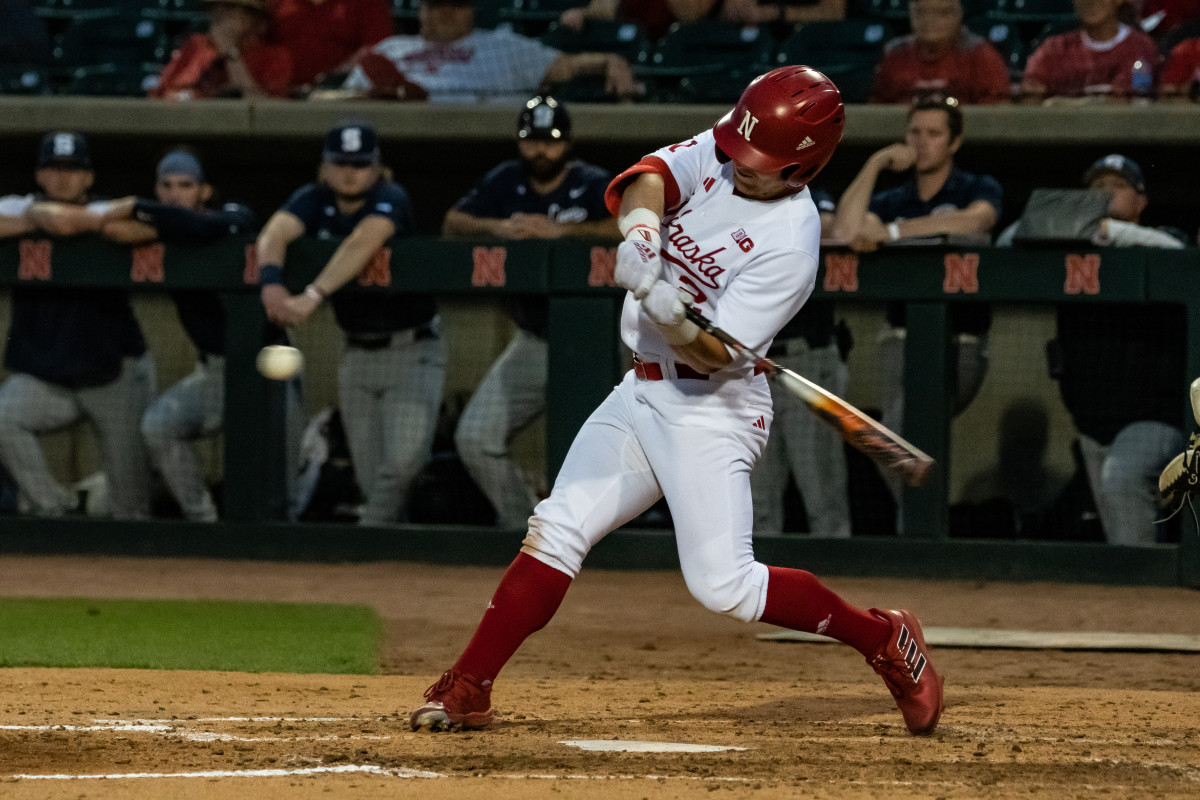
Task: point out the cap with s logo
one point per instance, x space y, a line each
354 144
64 150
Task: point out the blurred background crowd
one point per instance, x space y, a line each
397 420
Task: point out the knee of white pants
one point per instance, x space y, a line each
555 546
738 591
475 441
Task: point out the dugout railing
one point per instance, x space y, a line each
584 358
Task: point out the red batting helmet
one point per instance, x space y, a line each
788 119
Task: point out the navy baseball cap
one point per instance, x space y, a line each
352 144
65 150
544 118
1116 164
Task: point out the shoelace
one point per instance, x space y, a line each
443 684
894 673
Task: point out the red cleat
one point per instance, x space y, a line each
903 663
456 702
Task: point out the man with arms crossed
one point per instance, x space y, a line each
725 221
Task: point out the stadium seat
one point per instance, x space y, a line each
845 50
26 79
880 9
174 10
696 47
1184 30
1042 11
122 40
1006 38
532 17
79 10
113 80
623 38
1052 29
723 87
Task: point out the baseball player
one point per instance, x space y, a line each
393 368
722 222
194 407
73 353
541 195
804 447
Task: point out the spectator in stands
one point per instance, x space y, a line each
393 368
23 36
194 408
1120 368
1160 17
940 55
73 353
938 198
450 60
545 193
801 445
231 60
1181 73
324 35
1105 58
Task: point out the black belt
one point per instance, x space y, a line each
378 341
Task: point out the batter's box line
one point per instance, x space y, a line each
245 773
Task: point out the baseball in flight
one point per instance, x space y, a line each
279 362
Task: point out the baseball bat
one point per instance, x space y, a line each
884 447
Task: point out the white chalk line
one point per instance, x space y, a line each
244 773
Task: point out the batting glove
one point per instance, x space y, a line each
638 267
667 306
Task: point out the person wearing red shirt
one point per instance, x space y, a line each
940 55
231 60
323 35
1098 60
1182 71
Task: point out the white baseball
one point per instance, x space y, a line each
279 362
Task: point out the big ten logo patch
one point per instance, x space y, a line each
35 260
962 273
378 271
1083 274
488 266
147 263
841 272
743 241
603 264
250 271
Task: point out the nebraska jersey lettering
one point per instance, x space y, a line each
749 265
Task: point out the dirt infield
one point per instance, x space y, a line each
629 657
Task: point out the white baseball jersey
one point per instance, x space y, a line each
484 66
748 264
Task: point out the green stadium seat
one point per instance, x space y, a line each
24 79
845 50
1006 38
1041 11
174 10
80 10
879 9
113 80
1052 29
723 87
533 16
701 48
598 36
122 40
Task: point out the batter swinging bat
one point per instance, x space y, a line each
864 434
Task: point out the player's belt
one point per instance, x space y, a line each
650 371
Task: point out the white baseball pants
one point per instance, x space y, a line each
692 441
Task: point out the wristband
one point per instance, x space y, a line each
316 293
893 229
642 224
269 274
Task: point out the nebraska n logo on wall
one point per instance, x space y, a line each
747 126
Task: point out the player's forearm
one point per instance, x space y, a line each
704 353
967 221
647 190
568 66
128 231
458 223
853 205
241 78
15 226
351 257
63 219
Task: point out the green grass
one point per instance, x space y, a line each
207 635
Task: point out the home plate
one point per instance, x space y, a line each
1032 640
618 746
